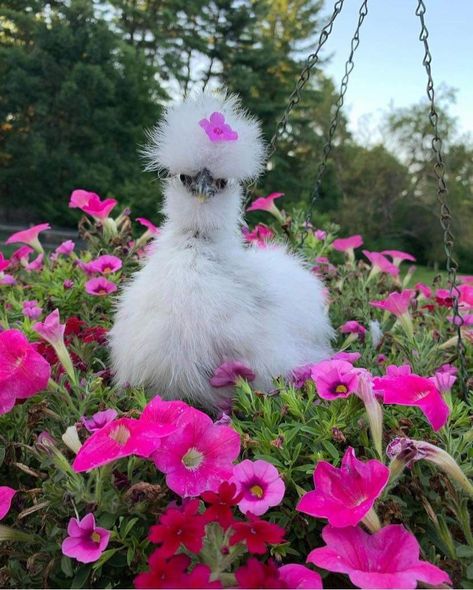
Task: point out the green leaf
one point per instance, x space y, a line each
81 577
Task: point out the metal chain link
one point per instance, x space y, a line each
349 65
442 192
295 96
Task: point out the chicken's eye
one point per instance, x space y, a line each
185 179
221 183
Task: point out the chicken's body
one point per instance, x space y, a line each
204 298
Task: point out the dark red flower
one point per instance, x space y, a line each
255 574
179 526
256 533
95 334
221 502
74 326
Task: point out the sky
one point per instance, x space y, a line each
388 63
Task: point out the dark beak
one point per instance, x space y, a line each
202 185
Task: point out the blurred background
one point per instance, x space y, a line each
81 81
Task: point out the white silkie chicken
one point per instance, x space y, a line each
203 297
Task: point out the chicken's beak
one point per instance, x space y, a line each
202 185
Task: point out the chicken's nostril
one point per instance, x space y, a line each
185 179
221 183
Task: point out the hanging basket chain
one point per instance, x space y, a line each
295 97
349 65
442 192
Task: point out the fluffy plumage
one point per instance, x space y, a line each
203 297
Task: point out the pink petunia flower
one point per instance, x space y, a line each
79 198
216 128
260 235
99 419
300 375
198 456
298 576
380 264
6 279
149 225
120 438
348 245
21 255
6 496
23 371
260 484
465 300
343 355
92 204
100 287
35 265
353 327
386 559
104 264
443 381
4 263
398 256
51 329
266 203
346 494
86 541
229 373
320 234
334 379
68 284
413 390
29 236
66 248
424 290
31 309
396 303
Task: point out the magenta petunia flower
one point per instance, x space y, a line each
99 419
65 248
424 289
344 495
104 264
6 496
31 309
149 225
443 381
342 355
353 327
21 255
29 236
80 197
380 264
334 378
413 390
6 279
300 375
23 371
92 204
386 559
197 457
260 484
216 128
260 235
120 438
229 373
298 576
4 263
347 244
320 234
398 256
51 329
465 301
396 303
100 287
86 541
35 265
265 203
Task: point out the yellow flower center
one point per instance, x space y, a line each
95 537
341 388
192 459
120 435
257 491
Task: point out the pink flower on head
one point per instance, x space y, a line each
51 329
216 128
398 256
298 576
413 390
334 379
388 558
104 264
380 264
4 263
6 496
86 541
198 457
229 373
92 204
353 327
265 203
23 371
347 244
31 309
29 236
65 248
396 303
149 225
259 236
100 287
260 484
99 420
346 494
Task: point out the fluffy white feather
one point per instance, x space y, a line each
203 297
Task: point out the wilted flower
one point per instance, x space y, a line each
388 558
100 287
260 484
52 331
31 309
71 439
86 541
216 128
6 496
374 411
334 379
29 236
229 373
99 420
398 256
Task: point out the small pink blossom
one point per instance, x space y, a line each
6 496
21 255
92 204
300 375
388 558
197 457
29 236
35 265
353 327
381 359
320 234
260 484
23 371
100 287
31 309
228 374
350 357
346 494
298 576
6 279
66 248
334 379
380 264
424 289
413 390
86 541
104 264
260 235
79 198
347 244
465 300
51 329
68 284
4 263
265 203
216 128
444 381
149 225
396 303
398 256
466 320
99 420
